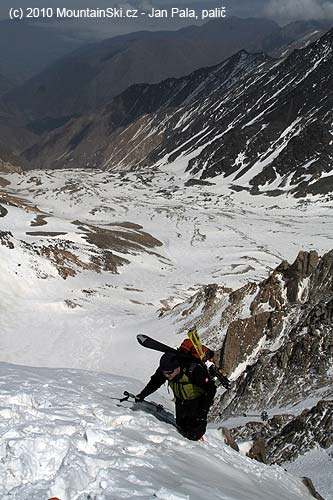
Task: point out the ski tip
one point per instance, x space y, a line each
141 338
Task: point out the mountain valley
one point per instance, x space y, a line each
199 201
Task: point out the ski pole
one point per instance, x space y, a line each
263 415
117 399
127 396
151 403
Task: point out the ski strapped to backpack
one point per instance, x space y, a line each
150 343
212 369
196 342
202 353
216 372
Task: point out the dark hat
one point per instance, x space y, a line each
168 362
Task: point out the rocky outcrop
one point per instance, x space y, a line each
312 428
258 450
285 437
107 248
285 288
6 239
287 351
242 339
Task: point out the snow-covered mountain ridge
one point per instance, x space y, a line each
250 123
94 74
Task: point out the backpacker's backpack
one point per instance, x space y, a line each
187 347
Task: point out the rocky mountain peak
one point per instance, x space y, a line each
293 275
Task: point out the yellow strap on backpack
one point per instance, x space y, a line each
194 338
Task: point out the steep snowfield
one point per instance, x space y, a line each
317 464
63 435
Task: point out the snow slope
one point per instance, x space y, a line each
89 320
63 435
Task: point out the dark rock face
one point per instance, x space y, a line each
263 125
228 439
287 350
5 239
284 437
242 337
311 428
258 451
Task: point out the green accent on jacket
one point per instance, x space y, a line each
184 389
